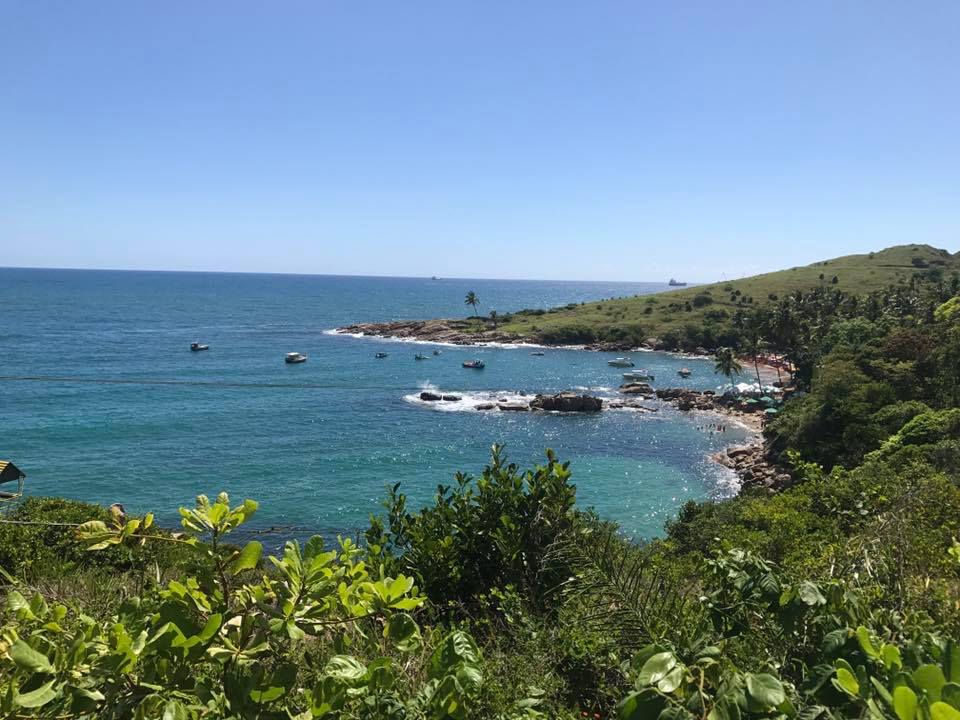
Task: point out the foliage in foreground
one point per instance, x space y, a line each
233 641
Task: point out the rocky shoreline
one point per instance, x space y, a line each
450 332
464 332
751 461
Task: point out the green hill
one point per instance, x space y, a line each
635 319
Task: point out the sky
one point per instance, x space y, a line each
555 140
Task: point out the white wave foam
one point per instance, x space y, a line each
469 401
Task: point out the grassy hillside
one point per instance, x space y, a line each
647 316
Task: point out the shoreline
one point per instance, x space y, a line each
447 333
749 461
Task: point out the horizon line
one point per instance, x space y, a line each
337 275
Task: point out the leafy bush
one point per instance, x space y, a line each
235 642
490 533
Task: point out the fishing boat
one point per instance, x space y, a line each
620 362
638 376
197 347
294 357
381 355
676 283
474 364
537 353
684 372
421 356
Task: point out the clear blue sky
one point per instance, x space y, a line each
608 140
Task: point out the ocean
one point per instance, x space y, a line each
102 400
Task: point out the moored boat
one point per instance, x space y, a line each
197 347
684 372
381 355
294 357
421 356
620 362
474 364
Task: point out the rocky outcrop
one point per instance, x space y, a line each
430 397
451 398
637 388
566 402
754 467
454 332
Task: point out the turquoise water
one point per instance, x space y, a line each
101 399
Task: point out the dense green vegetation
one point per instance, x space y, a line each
838 597
709 315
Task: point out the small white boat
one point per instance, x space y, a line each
620 362
294 357
638 376
421 356
381 355
197 347
474 364
684 372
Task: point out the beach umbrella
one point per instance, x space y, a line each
751 401
767 400
771 411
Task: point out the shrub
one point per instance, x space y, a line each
491 532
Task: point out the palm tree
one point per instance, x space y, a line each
727 365
473 300
755 344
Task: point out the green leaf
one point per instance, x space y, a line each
29 659
765 690
810 594
847 682
951 661
891 656
725 708
640 706
930 679
37 698
866 644
403 632
19 606
950 694
671 681
942 711
248 558
345 668
173 710
904 703
656 668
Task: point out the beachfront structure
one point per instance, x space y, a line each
10 473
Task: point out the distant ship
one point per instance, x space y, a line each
674 283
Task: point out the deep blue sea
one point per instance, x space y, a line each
315 443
